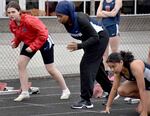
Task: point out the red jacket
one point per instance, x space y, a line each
31 31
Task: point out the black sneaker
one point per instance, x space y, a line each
82 104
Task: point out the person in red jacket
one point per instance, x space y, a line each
34 35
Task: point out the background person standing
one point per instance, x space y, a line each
109 11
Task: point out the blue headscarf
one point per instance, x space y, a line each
68 8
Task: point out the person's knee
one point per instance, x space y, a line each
21 65
50 68
122 91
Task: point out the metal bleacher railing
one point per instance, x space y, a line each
134 31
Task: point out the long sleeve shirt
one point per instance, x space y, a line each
31 31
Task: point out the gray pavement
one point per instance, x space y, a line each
47 103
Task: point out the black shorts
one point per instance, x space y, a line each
147 85
46 50
112 30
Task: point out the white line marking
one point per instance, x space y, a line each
56 114
80 111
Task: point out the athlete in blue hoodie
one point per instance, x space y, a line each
94 40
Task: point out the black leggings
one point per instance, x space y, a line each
92 68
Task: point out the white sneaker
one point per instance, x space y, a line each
65 94
134 101
117 97
22 96
127 99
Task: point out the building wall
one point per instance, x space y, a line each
129 6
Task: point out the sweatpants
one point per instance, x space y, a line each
92 68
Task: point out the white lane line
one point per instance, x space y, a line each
56 114
46 95
11 107
80 111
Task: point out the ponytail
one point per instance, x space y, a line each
115 57
127 56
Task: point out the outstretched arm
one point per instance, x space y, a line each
137 68
113 92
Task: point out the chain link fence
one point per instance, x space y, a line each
134 32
